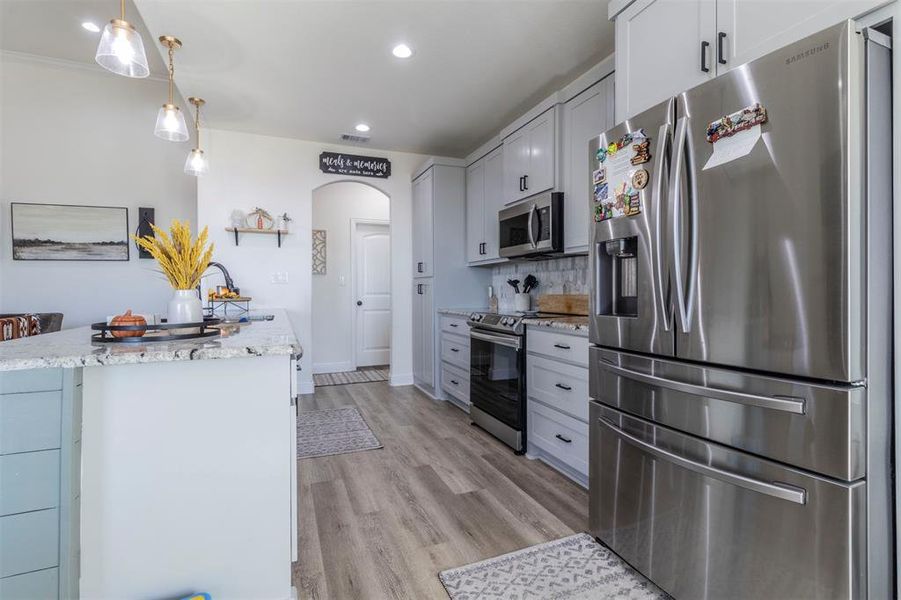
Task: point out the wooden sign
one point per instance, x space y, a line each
351 164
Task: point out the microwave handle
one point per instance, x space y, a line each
532 212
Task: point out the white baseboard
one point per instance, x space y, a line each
333 367
305 387
405 379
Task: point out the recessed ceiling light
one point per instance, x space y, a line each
91 27
402 51
362 127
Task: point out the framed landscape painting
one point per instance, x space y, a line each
68 232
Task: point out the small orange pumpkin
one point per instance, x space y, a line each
128 319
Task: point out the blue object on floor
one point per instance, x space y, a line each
200 596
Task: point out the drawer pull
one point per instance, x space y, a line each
782 403
455 382
562 346
782 491
564 387
563 439
455 349
453 324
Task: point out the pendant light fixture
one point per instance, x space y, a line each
170 122
121 49
196 163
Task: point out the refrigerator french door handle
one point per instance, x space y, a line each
682 160
785 404
659 191
782 491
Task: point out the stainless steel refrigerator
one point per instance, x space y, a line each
741 314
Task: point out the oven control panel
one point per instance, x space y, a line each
509 323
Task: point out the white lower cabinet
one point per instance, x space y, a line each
557 408
455 360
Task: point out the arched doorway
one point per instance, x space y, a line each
351 283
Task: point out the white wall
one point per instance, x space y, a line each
72 134
280 174
334 205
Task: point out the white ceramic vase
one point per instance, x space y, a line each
185 307
522 302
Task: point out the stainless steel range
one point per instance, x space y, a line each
497 379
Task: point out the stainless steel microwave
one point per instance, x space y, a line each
532 227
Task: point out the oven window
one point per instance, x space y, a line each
494 382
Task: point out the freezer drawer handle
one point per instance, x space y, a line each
785 404
776 490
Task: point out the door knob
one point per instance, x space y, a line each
359 303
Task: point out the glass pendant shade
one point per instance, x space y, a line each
121 50
170 124
196 164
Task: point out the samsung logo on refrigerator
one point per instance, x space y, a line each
807 53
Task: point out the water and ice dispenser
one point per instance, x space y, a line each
617 277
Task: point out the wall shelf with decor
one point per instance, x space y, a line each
276 232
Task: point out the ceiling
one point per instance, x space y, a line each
52 28
313 69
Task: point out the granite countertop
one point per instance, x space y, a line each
574 324
73 347
460 312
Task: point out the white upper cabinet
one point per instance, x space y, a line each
585 117
664 47
494 201
484 198
748 29
475 211
530 155
423 231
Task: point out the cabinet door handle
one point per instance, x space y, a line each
454 324
419 288
520 185
455 349
564 387
419 267
525 183
563 439
720 53
704 45
562 346
455 382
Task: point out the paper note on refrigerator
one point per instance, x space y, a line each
735 146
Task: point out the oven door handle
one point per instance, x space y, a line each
501 340
777 490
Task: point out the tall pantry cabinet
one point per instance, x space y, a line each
441 278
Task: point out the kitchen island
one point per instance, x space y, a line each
186 477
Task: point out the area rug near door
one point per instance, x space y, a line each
572 568
333 431
365 375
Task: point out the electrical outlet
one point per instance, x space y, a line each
279 278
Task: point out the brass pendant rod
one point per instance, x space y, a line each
171 72
122 8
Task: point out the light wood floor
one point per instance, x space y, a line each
440 494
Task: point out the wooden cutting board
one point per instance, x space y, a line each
569 304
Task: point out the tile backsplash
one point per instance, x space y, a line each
567 275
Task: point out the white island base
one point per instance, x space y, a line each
188 479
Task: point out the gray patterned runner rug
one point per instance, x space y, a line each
572 568
333 431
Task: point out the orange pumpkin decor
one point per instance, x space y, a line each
128 319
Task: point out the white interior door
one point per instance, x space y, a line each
372 294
